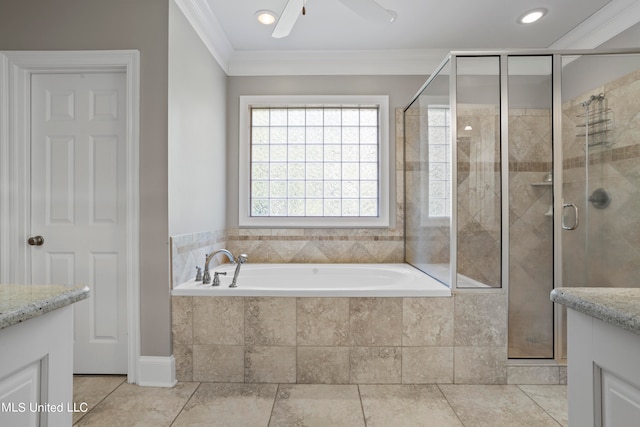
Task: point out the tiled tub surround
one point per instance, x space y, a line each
460 339
190 250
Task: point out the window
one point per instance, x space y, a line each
439 162
314 161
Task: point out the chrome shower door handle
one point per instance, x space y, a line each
575 210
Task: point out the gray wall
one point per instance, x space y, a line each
400 89
119 24
197 132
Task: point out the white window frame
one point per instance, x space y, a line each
244 171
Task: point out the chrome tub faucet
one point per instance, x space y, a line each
242 258
206 279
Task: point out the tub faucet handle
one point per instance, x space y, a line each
198 274
216 279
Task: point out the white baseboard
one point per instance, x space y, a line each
157 371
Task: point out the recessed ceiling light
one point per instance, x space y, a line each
266 17
532 15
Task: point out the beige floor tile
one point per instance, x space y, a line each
317 405
551 398
229 405
406 405
495 406
130 405
91 389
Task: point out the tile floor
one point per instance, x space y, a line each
113 402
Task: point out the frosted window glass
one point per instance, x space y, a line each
296 135
296 117
278 189
278 135
296 207
278 153
260 135
296 171
332 117
260 207
260 189
278 117
260 117
332 207
260 171
315 162
314 153
350 207
350 117
332 153
296 189
350 170
332 171
350 135
260 153
278 207
296 153
314 117
350 153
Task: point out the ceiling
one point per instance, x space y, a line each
331 31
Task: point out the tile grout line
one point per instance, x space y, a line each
537 404
449 403
273 405
364 418
124 380
185 404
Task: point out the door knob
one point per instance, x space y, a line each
36 241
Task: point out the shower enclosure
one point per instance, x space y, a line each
522 173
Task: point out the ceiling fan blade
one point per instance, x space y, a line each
288 18
370 10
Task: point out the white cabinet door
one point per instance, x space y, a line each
78 206
620 402
19 395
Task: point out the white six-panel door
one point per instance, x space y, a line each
78 206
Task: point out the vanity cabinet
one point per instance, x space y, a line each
603 333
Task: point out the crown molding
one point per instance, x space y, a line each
341 62
207 26
608 22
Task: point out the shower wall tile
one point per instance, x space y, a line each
323 365
427 365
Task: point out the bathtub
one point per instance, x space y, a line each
319 280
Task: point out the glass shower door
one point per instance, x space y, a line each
600 172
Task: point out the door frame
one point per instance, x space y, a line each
16 68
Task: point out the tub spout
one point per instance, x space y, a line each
207 277
242 258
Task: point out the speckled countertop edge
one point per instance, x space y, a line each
617 306
40 299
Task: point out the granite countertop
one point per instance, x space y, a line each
617 306
23 302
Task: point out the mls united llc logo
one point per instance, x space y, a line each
22 407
